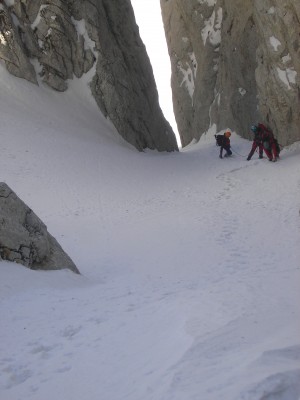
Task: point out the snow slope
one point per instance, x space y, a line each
190 264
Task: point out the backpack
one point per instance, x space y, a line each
219 140
270 134
264 128
265 131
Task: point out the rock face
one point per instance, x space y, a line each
234 62
24 238
60 39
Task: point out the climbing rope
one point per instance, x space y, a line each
238 153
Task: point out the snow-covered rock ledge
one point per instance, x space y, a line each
24 237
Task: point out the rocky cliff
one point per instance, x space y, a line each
59 39
24 237
234 62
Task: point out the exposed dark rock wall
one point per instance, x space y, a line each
66 38
234 62
24 237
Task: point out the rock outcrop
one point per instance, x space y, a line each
234 62
24 237
60 39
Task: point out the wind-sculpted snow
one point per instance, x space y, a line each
189 285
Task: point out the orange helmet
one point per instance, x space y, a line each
227 134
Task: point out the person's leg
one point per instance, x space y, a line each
254 146
274 150
268 154
221 152
228 151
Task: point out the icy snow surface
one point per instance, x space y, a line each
275 43
212 28
287 76
190 264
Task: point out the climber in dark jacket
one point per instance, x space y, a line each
257 142
225 145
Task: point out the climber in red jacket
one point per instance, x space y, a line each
266 141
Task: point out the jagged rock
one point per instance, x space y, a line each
236 103
12 49
24 237
194 59
234 63
70 38
124 84
278 66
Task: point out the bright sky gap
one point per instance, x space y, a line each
149 20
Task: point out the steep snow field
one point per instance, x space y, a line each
190 264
